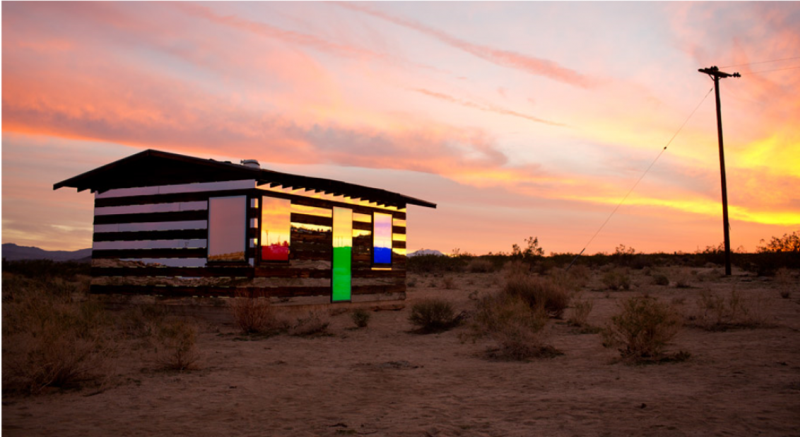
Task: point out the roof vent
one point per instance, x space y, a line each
252 163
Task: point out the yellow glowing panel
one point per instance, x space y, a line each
361 233
365 218
399 222
399 237
312 210
314 228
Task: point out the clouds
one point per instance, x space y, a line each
357 87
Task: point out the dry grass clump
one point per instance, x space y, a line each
516 266
255 315
786 282
315 323
712 275
141 321
660 279
718 313
360 317
579 316
480 265
448 283
516 327
433 315
176 345
643 328
538 292
51 339
617 279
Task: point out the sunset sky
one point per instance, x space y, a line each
517 119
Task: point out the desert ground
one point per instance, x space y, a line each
386 380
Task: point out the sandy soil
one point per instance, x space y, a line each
383 380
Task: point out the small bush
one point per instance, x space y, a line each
448 283
254 315
433 315
315 323
480 265
360 317
660 279
718 313
538 292
513 325
786 282
176 345
141 321
617 279
580 313
643 327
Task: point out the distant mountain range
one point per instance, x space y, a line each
12 252
426 252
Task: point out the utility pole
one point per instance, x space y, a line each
715 74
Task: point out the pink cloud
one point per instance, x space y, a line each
487 108
526 63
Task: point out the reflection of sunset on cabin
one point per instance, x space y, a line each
519 119
275 229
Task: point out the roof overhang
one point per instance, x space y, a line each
154 167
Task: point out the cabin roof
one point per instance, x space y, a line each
155 167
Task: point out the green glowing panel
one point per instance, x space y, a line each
342 253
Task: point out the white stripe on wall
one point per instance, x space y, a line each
152 226
173 189
171 262
151 207
150 244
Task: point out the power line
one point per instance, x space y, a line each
664 149
776 69
760 62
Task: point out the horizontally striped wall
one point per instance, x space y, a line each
153 240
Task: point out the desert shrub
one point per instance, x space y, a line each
315 323
786 283
617 279
718 313
480 265
141 321
433 315
660 279
539 292
643 328
45 268
682 278
360 317
448 283
513 325
254 315
52 340
580 313
514 267
435 263
581 274
176 347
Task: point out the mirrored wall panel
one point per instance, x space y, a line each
342 253
276 228
227 221
382 239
